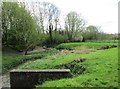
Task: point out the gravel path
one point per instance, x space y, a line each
5 80
0 81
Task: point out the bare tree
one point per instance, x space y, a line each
73 23
52 14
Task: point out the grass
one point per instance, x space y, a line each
63 56
87 44
105 41
101 65
101 71
11 60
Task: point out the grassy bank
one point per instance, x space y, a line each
11 60
101 71
101 66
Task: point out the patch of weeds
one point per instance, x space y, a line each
107 47
75 67
69 49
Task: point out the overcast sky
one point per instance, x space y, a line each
103 13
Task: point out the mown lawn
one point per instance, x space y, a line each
101 66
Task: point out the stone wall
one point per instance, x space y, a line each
29 78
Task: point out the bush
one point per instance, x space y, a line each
57 39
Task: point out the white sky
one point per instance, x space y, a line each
103 13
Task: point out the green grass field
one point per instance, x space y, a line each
101 71
100 66
63 56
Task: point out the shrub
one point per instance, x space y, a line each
57 39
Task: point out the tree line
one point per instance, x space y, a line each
27 25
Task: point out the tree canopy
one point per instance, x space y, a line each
19 29
27 25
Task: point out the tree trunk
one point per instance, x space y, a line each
55 26
26 51
50 33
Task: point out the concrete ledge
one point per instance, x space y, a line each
29 78
41 71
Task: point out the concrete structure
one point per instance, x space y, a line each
29 78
